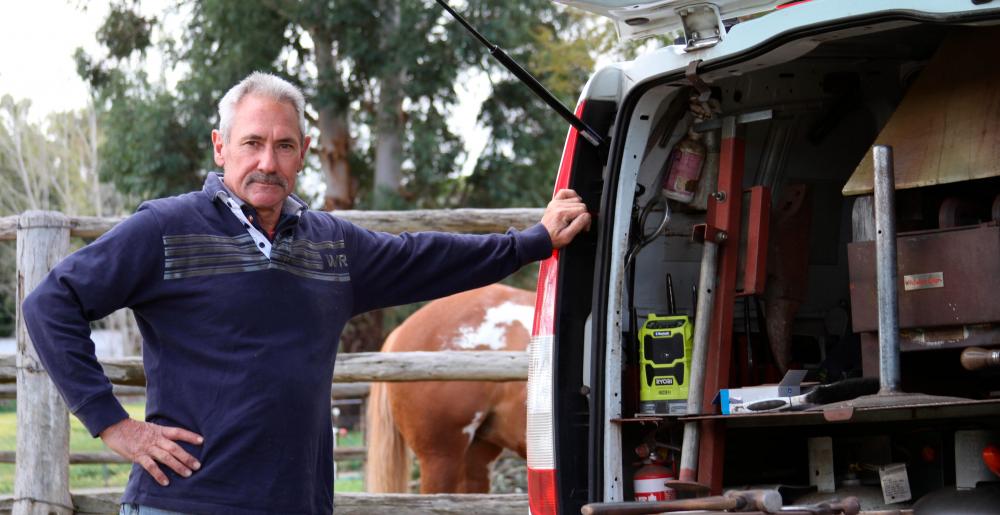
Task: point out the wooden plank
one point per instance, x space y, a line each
8 227
339 391
91 458
367 367
350 390
104 501
41 475
946 128
447 220
437 504
76 458
432 366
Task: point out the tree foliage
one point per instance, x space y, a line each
49 165
380 78
379 68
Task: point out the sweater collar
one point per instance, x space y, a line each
217 190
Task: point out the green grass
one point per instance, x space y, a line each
80 476
90 476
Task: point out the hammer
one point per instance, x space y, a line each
767 501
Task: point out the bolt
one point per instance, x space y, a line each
721 236
719 196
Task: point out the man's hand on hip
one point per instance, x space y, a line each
148 444
564 217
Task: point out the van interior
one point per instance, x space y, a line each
809 109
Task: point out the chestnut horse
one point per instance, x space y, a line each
455 428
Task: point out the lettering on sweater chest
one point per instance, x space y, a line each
195 255
336 260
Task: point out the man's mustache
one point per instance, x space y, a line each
266 178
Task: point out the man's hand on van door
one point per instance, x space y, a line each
565 216
149 444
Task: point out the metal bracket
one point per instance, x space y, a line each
702 24
702 232
691 74
748 117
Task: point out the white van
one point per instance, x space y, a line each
754 133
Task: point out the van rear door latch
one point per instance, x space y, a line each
702 24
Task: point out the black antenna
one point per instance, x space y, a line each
509 63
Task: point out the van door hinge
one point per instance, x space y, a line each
702 24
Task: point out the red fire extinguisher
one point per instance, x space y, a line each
680 181
650 481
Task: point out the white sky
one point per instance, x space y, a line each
37 39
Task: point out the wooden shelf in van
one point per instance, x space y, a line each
903 412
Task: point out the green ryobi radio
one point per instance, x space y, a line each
664 364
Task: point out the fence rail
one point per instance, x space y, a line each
104 501
91 458
41 483
448 220
358 367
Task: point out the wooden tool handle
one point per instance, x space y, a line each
975 358
716 503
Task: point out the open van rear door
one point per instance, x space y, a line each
700 22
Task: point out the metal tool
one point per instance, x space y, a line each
848 506
723 216
890 393
885 257
767 501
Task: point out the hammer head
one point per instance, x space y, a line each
767 501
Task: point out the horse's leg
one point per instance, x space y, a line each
442 472
477 466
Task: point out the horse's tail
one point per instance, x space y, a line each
388 464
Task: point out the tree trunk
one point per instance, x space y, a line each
334 131
389 121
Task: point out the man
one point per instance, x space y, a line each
241 294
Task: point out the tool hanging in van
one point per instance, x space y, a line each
664 360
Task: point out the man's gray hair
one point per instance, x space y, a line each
265 84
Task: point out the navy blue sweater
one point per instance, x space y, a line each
239 347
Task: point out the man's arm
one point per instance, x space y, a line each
388 270
114 271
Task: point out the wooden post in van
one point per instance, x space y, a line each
41 474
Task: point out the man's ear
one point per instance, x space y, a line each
217 145
305 148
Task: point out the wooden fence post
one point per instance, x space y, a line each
41 474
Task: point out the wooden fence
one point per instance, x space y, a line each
41 477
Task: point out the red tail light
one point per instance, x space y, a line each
542 498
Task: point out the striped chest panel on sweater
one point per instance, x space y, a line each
195 255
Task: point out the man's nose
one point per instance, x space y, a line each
267 161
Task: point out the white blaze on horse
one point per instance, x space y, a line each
455 428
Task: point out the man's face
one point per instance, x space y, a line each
264 153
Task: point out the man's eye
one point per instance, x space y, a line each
251 143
